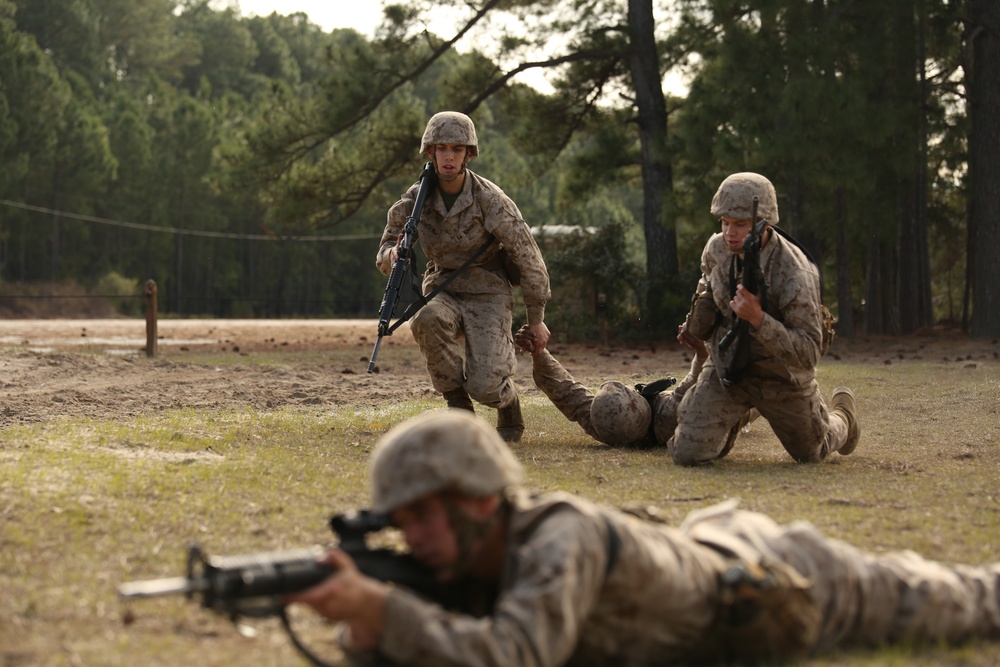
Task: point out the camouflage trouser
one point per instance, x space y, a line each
867 598
467 343
797 415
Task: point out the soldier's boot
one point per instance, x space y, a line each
510 423
844 405
459 399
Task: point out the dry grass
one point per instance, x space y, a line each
88 503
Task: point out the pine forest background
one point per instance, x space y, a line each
246 163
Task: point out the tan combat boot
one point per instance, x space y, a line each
510 423
459 399
843 403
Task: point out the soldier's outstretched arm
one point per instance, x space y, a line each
572 398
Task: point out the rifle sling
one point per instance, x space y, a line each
421 301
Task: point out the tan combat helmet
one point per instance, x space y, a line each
619 415
734 198
450 127
437 451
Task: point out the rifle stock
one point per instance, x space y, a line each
404 249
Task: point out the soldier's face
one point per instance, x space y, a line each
429 528
427 531
734 231
449 159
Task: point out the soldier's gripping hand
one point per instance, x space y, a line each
524 339
349 596
696 345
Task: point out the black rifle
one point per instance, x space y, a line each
404 249
251 585
752 279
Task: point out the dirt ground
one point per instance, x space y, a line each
99 368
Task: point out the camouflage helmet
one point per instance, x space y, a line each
734 198
438 450
619 415
450 127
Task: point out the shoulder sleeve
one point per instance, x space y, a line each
395 220
503 220
571 397
555 579
793 288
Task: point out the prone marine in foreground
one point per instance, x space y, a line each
556 580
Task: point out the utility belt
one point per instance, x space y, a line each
765 610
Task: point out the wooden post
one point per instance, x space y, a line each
150 292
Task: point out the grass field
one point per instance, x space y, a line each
87 503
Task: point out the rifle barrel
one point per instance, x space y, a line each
371 362
135 590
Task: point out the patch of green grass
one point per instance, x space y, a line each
86 504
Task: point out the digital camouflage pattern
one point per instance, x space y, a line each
734 198
619 418
703 317
619 415
464 333
781 380
438 450
450 127
666 595
483 366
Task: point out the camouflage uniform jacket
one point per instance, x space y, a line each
787 344
450 237
564 599
588 585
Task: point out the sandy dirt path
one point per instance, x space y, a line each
51 368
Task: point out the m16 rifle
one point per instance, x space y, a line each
752 279
251 585
404 250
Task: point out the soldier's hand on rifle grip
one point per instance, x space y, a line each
393 251
348 596
746 306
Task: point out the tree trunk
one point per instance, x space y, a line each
873 308
984 165
845 305
913 281
926 304
657 179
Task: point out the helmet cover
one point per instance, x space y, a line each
450 127
436 451
734 198
619 415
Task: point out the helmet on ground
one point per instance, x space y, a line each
734 198
439 450
450 127
619 415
